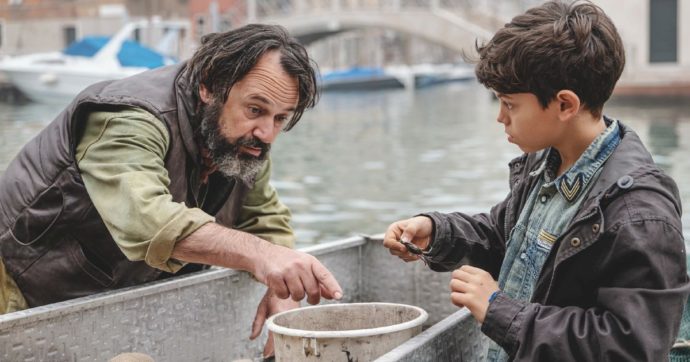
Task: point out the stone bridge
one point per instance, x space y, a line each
455 24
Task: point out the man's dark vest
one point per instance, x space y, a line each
52 240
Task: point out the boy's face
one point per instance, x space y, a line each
527 124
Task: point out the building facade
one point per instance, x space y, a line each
656 36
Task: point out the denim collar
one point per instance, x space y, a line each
572 183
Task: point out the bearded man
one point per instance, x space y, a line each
154 175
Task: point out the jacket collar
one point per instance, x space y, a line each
575 180
187 102
630 166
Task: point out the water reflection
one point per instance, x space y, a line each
376 157
362 160
388 155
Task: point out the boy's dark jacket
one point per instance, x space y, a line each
614 285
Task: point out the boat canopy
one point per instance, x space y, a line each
131 54
354 73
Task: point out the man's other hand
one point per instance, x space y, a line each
270 305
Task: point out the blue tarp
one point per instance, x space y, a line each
132 54
354 73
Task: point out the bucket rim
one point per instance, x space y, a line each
277 329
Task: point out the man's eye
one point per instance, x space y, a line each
254 110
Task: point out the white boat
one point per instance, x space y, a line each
56 77
206 316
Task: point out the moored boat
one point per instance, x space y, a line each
57 77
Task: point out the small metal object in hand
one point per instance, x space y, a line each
412 248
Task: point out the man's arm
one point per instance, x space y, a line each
120 158
285 271
121 161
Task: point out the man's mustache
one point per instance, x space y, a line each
254 142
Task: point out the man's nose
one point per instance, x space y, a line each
264 130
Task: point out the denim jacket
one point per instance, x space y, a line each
615 282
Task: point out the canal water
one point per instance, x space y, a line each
361 160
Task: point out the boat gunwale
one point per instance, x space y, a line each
33 315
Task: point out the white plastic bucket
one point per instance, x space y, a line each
343 332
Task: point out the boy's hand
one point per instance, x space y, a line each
471 287
416 230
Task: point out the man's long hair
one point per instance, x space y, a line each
225 58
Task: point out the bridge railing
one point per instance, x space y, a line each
258 9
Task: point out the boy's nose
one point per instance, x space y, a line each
501 118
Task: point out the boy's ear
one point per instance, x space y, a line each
569 104
205 95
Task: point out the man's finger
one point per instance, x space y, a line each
259 318
268 348
327 280
312 289
295 286
277 285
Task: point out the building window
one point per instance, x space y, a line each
69 34
200 28
663 31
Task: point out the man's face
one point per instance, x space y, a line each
239 133
527 124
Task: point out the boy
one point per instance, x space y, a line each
584 260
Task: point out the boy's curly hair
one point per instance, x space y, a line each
552 47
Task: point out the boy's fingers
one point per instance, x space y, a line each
461 274
457 285
458 299
471 270
409 232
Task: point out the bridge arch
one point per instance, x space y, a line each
437 26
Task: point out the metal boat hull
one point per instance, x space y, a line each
208 315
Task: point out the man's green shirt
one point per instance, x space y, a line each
121 159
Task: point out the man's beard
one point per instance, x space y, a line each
231 162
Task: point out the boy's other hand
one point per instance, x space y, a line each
472 287
416 230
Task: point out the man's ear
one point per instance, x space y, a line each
569 104
205 95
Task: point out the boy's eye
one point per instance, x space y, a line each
507 105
